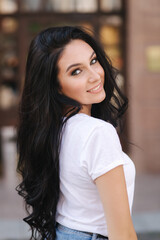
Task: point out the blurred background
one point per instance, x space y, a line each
130 33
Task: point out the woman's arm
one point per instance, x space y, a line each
113 193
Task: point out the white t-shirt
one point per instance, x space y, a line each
90 147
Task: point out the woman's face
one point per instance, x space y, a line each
80 75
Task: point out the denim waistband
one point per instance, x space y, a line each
97 236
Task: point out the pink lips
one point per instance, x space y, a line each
99 88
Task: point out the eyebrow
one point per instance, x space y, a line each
77 64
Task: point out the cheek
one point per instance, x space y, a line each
102 73
72 89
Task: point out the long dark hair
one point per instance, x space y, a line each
41 120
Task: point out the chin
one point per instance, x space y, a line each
101 98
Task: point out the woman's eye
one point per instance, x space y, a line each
76 72
94 60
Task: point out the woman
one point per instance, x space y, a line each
77 182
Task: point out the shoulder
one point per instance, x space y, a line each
98 133
90 126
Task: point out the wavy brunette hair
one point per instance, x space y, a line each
41 121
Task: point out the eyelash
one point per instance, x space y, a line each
94 59
74 72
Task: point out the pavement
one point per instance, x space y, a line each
146 210
146 207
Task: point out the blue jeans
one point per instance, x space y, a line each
65 233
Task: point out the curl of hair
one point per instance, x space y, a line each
41 122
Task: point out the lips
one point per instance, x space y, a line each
96 88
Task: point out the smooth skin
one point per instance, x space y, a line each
82 78
113 193
79 72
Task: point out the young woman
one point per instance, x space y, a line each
77 182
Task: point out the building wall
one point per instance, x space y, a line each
143 83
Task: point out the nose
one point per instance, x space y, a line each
93 75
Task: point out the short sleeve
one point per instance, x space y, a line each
102 151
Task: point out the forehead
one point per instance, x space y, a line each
75 51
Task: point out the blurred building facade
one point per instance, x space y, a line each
129 31
143 82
